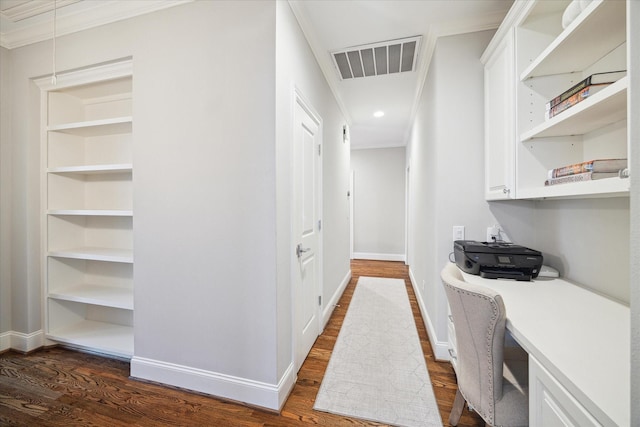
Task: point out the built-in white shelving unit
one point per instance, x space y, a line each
548 59
537 59
87 177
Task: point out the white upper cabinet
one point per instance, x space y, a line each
499 119
548 60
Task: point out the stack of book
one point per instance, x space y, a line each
581 91
586 171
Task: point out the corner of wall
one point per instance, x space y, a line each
440 348
5 196
633 8
23 343
331 303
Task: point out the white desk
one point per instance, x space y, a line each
580 337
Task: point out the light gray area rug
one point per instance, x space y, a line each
377 370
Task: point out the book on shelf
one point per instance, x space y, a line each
598 166
593 79
584 176
574 99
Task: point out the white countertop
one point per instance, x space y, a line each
581 337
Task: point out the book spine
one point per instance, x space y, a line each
585 176
574 169
598 166
569 92
569 102
597 78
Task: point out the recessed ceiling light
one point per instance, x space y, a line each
378 114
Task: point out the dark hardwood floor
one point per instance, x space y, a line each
58 386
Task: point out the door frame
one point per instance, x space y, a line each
299 99
352 179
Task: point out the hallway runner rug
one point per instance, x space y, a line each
377 370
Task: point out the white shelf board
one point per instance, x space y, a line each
603 108
90 212
97 336
108 296
95 254
92 169
608 187
113 126
581 43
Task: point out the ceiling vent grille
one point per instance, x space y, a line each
393 56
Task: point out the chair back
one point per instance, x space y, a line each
479 318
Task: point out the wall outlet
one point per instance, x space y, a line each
458 232
493 234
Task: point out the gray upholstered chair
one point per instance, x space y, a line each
492 378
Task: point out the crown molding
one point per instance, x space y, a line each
515 15
81 16
322 58
489 21
428 47
29 9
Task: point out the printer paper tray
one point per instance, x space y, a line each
505 274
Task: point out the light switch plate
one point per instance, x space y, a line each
458 232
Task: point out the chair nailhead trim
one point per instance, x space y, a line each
489 417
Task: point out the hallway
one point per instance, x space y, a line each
62 387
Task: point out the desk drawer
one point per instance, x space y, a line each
550 404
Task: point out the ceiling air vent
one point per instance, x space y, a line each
393 56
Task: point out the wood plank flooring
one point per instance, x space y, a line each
62 387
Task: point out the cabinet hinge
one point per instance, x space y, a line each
319 150
319 224
319 299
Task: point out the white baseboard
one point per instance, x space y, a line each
331 304
440 348
255 393
5 341
22 342
379 257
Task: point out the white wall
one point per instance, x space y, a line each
5 199
634 165
587 241
204 197
296 67
379 203
21 196
212 289
445 156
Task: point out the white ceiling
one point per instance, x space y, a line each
329 25
336 24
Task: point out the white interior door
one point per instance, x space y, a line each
306 230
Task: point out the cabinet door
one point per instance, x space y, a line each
499 82
550 404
